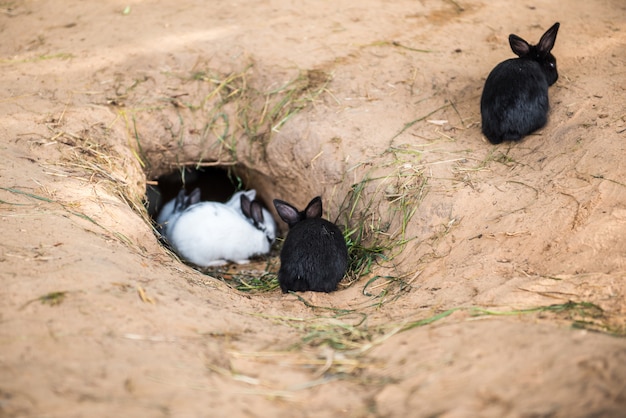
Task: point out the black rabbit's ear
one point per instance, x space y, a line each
519 46
314 208
287 213
546 43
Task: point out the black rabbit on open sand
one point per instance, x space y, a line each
514 102
314 255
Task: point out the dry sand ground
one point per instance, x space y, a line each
389 94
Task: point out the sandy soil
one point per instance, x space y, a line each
98 319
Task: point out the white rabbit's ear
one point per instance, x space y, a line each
246 206
314 208
546 43
180 201
519 46
287 213
235 199
257 213
194 196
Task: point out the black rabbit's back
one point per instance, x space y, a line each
514 102
314 257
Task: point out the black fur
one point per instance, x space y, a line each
314 255
514 102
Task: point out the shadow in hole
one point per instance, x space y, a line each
215 184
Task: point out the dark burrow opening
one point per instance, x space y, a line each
218 184
215 183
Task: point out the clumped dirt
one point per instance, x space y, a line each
502 290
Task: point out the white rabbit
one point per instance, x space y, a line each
212 233
268 220
175 207
182 202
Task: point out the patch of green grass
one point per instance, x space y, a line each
343 330
257 277
581 315
255 282
376 213
53 299
31 195
338 335
50 299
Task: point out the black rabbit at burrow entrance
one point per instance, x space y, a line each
514 101
314 255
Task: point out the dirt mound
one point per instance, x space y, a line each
491 280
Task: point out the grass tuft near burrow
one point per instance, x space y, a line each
258 276
376 213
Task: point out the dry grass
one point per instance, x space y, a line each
87 157
336 342
220 109
257 277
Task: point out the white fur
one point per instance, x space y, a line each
270 224
235 200
268 220
165 213
211 234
